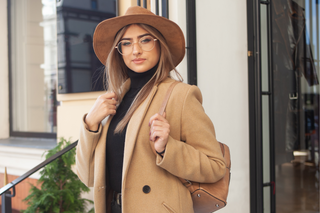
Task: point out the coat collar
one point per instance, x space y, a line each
106 121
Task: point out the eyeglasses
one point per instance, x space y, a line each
146 43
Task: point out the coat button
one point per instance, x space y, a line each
146 189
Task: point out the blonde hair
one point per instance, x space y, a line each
116 72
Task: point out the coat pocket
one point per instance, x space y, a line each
168 208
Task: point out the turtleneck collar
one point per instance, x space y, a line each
138 80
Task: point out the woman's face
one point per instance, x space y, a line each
139 60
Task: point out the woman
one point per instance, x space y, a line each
114 154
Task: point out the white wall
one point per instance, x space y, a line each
223 80
20 160
4 79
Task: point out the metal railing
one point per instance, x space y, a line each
6 194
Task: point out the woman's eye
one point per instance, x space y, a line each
126 43
145 40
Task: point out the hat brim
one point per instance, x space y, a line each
106 31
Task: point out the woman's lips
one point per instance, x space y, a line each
138 60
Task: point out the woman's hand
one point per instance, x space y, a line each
159 131
105 105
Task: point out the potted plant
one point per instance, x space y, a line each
60 187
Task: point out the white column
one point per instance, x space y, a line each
4 72
223 80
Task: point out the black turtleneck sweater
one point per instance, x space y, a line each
115 142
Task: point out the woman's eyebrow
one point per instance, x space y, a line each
140 36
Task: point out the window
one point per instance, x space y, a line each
94 4
79 70
284 104
32 59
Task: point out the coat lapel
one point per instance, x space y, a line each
101 146
132 132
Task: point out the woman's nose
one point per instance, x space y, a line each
136 49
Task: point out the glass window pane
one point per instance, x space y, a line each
266 200
33 65
264 47
266 139
295 27
79 68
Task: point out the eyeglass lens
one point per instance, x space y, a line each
146 43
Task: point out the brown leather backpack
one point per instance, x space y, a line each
210 197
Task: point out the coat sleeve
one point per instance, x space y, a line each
197 155
85 153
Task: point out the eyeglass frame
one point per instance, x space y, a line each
154 39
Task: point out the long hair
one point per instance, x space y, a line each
116 72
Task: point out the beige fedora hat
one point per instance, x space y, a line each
106 31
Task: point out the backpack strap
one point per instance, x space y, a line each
163 107
166 98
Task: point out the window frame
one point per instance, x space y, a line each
13 133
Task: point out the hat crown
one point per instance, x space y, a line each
136 10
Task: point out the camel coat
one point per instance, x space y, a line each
149 182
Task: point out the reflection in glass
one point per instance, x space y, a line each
264 48
295 28
266 200
33 65
266 153
266 139
79 70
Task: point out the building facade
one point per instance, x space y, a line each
256 63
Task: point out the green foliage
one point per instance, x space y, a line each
60 186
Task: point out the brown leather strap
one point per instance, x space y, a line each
222 148
163 107
166 98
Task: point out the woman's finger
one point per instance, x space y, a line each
156 135
158 117
112 106
109 95
165 128
111 101
160 132
159 123
159 126
105 105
